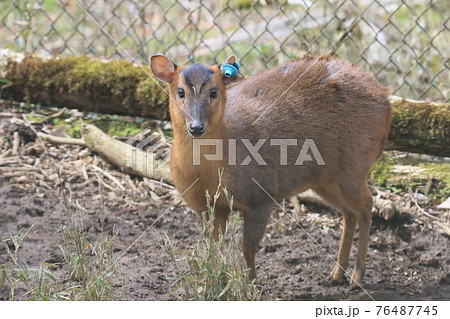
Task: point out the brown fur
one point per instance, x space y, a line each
345 111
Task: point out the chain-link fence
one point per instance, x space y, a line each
406 44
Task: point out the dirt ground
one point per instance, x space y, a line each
408 257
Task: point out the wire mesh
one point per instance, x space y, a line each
406 44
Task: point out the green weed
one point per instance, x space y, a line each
87 267
215 269
382 170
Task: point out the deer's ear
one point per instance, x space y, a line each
230 71
163 68
230 60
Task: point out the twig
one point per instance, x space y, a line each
31 127
44 184
84 172
428 185
13 174
9 161
434 213
62 140
3 115
6 154
153 183
106 174
444 227
23 169
104 184
57 114
130 183
16 143
296 204
165 185
37 176
421 209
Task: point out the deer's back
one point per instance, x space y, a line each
345 112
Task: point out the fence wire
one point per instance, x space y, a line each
405 44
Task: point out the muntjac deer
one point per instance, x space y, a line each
337 115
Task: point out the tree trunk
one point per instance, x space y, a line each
120 87
92 85
420 127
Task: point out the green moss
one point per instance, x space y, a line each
73 127
57 121
383 174
44 116
240 4
421 125
415 175
382 170
441 177
115 79
117 128
117 86
36 119
112 127
74 131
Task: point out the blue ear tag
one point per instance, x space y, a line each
230 70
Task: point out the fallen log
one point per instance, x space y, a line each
120 87
128 158
93 85
420 127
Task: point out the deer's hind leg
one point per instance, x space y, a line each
345 246
333 195
355 203
364 218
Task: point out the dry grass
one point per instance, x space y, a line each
88 267
213 270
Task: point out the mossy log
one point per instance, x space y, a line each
120 87
111 87
420 127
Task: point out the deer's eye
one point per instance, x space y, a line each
213 93
180 93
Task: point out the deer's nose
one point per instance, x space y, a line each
196 129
